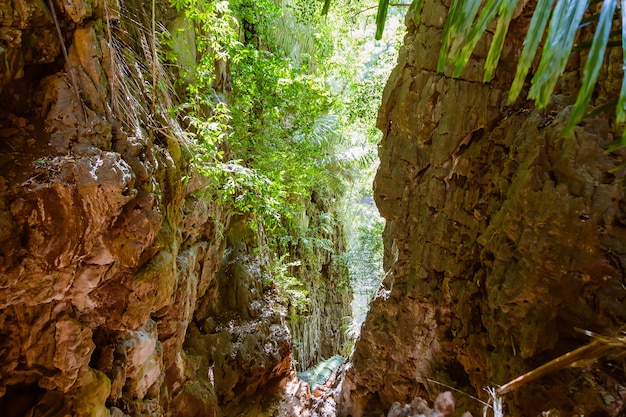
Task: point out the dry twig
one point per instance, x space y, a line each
586 355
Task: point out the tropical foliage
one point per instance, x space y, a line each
288 286
364 259
555 26
360 69
267 143
321 372
281 105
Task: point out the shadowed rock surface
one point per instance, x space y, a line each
502 237
319 333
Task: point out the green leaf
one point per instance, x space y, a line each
621 104
458 24
416 10
486 16
613 145
507 9
463 25
617 168
593 64
589 19
446 35
561 35
602 108
381 17
326 7
531 43
587 44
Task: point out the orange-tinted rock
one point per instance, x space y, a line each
123 291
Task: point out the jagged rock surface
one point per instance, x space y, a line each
318 334
502 237
123 291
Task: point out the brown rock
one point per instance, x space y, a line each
124 289
502 236
78 10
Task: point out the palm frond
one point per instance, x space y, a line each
416 10
593 64
326 131
563 18
293 37
506 14
477 31
446 35
561 35
533 38
381 17
456 29
462 32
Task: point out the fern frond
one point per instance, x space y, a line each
295 39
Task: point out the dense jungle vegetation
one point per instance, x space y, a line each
281 98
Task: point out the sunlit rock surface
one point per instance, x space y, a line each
502 238
122 292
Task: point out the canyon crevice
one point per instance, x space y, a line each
128 289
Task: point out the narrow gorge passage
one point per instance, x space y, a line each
187 224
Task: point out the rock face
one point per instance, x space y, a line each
123 291
237 341
502 238
318 334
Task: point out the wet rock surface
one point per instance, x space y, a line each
502 238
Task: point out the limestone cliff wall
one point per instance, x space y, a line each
319 333
502 237
123 290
